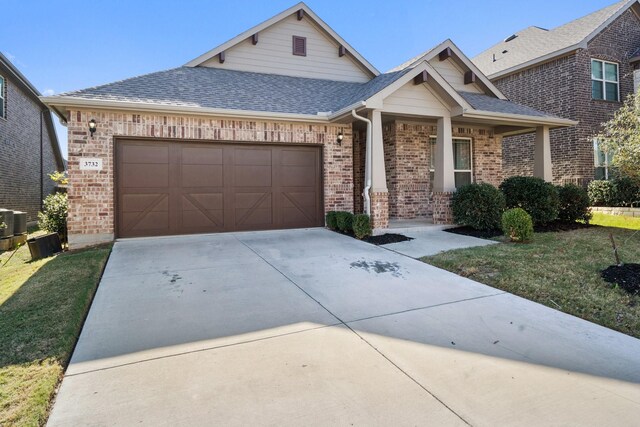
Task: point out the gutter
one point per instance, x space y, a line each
519 118
64 101
367 164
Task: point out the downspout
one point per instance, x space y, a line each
41 161
367 164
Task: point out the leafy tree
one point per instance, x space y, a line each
621 136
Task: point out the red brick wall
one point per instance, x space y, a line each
563 87
91 193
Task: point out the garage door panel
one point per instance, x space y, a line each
155 220
298 175
145 175
202 176
253 156
201 156
209 220
299 158
178 188
143 153
252 176
141 202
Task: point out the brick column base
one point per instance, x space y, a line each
380 210
442 213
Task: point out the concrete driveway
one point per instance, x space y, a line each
308 327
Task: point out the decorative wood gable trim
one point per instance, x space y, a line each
469 77
445 54
423 77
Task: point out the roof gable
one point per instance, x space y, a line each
267 48
533 44
453 68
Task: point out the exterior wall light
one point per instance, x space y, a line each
92 126
340 138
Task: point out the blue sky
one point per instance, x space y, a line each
62 46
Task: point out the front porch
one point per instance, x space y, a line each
418 164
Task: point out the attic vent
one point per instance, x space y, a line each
511 37
299 46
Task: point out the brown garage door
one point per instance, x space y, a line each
181 188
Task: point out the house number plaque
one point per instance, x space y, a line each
90 164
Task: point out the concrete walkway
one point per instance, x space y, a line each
309 327
432 241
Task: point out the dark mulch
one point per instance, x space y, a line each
627 276
552 227
385 239
468 231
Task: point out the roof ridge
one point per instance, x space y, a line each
613 8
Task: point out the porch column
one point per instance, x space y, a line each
444 183
379 193
542 155
444 179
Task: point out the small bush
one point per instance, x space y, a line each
627 192
601 193
574 204
479 206
53 217
361 226
345 221
517 225
621 191
537 197
331 219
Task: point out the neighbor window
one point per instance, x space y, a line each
602 160
462 160
604 80
2 97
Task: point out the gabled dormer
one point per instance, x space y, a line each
295 43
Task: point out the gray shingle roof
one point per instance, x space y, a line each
534 42
484 102
240 90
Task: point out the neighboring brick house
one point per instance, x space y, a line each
29 148
272 129
583 71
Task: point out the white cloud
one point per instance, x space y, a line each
49 92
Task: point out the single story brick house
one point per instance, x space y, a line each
583 71
279 125
29 149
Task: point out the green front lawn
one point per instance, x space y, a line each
560 270
618 221
42 307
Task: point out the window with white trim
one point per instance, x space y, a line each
602 160
604 80
2 97
462 160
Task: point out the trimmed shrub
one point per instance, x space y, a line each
361 226
345 221
53 217
331 218
616 192
601 193
517 225
574 204
478 205
537 197
627 192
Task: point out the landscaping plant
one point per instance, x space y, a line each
574 204
601 193
332 220
361 226
621 136
479 206
621 191
53 217
537 197
517 225
345 221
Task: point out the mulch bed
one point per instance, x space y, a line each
627 276
481 234
385 239
552 227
